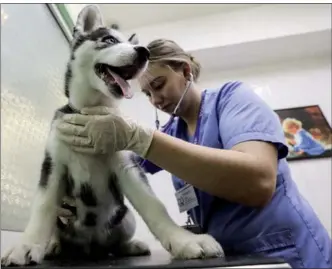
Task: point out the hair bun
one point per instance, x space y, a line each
169 52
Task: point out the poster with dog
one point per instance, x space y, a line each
307 132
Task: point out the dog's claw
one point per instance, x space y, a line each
23 254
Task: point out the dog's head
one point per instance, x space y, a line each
103 58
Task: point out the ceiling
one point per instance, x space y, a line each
129 16
312 45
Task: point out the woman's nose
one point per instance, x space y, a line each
156 100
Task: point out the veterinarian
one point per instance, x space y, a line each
226 152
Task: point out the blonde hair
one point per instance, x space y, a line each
169 53
291 122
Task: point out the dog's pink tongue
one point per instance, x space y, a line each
125 87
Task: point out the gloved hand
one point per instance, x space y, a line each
100 130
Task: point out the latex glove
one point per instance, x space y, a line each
100 130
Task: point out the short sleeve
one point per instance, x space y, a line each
148 166
244 116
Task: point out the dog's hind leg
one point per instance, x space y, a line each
54 246
125 244
42 223
133 248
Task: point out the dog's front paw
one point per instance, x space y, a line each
185 245
24 254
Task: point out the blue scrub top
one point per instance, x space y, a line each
287 227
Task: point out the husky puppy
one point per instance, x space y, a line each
102 61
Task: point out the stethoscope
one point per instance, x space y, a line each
168 124
189 223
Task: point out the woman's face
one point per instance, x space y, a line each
164 87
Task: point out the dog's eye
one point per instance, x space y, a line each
109 40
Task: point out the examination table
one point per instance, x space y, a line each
160 260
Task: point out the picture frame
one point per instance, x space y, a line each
307 132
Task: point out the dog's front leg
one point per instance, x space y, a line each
42 223
178 241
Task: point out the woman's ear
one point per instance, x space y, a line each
186 71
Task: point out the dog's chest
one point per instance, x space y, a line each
94 186
88 176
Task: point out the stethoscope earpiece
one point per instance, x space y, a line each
191 77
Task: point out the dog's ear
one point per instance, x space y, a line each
88 20
133 39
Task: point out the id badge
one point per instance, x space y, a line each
186 198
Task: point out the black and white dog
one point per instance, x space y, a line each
102 60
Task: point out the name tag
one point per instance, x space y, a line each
186 198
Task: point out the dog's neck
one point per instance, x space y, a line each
82 95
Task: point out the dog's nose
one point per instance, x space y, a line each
143 53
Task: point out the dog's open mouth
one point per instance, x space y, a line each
116 77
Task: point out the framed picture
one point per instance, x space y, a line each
307 132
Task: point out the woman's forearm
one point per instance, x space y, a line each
232 175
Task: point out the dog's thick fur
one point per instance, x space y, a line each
98 183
